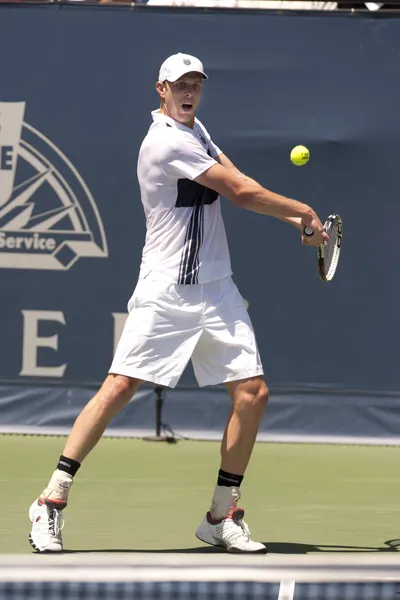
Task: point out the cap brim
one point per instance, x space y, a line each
176 76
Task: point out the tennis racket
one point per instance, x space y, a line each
329 252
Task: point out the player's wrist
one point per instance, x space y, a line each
307 216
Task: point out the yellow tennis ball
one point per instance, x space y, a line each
300 155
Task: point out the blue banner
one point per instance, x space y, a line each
76 93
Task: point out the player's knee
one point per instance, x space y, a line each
254 397
124 387
261 395
116 392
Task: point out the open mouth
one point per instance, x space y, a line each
187 106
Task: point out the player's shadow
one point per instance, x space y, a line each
272 548
296 548
199 550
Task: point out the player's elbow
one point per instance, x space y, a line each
243 195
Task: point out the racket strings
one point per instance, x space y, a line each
330 250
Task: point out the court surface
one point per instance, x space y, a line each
134 495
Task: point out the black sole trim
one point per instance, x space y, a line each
32 543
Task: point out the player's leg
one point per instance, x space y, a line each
227 353
249 400
114 394
156 344
45 512
224 524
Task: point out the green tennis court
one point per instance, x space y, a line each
134 495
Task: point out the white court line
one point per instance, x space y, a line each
190 574
322 567
367 562
286 590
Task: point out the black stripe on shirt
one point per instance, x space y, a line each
189 266
192 194
193 264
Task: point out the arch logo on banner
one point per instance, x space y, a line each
48 217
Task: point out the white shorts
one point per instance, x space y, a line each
168 324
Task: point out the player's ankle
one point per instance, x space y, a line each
60 476
68 465
224 500
57 489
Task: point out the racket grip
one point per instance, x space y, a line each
308 231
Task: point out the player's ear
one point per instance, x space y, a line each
160 87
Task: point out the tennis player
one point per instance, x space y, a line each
185 305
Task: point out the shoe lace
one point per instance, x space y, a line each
244 527
56 521
236 528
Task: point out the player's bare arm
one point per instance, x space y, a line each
223 160
249 194
296 222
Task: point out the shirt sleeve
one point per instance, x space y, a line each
186 158
214 150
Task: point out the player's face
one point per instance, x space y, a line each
182 97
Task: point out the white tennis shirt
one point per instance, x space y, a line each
185 238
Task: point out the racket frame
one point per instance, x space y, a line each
337 222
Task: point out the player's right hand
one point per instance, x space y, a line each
312 223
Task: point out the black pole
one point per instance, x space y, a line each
159 392
159 405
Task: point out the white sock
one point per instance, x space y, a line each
58 487
61 477
224 500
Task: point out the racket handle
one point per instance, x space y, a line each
308 231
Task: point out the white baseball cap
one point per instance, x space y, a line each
179 64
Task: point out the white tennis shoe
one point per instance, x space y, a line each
47 522
231 532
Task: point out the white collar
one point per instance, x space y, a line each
162 117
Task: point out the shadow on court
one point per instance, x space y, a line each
273 548
295 548
199 550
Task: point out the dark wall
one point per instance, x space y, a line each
87 74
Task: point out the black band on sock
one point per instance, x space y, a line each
68 465
228 479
